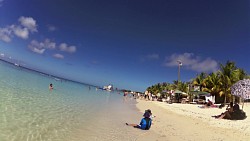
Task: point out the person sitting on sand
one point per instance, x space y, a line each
145 123
151 115
237 112
51 86
228 113
236 106
209 103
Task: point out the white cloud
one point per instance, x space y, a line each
59 56
5 34
63 47
190 61
153 56
42 46
37 50
29 23
66 48
36 44
49 44
36 47
22 30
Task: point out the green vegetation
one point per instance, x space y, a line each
217 83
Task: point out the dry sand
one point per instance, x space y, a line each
188 122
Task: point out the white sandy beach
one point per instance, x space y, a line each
188 122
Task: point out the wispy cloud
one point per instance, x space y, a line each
153 56
59 56
21 30
5 34
192 62
51 28
66 48
150 57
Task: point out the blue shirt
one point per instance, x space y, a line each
145 123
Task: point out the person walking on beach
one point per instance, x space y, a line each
145 123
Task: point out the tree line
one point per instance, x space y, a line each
216 83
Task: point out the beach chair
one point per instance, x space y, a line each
183 101
201 101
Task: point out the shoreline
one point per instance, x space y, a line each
188 122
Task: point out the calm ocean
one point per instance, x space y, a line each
70 112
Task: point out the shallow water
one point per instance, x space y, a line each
70 112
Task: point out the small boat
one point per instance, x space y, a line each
16 64
108 88
57 79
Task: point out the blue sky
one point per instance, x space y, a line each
131 44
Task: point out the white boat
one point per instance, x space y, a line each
57 79
108 88
16 64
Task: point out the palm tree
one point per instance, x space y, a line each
242 74
183 87
229 74
213 85
200 80
175 84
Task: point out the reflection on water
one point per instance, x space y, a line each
70 112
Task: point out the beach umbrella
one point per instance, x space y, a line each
241 89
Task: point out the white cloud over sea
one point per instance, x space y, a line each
41 47
192 62
27 26
22 30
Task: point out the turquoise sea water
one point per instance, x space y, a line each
29 111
